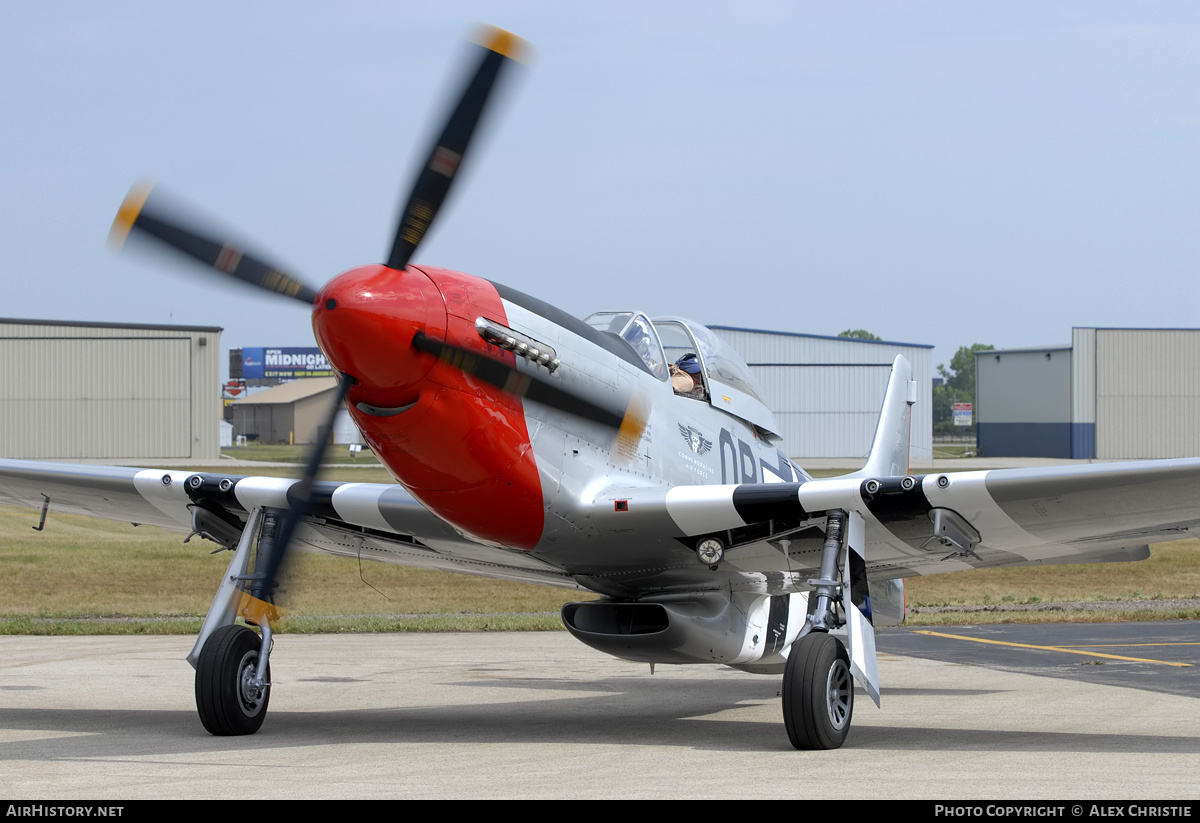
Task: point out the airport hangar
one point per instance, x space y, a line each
122 392
1112 394
291 412
826 392
109 391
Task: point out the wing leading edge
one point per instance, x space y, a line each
914 526
373 521
933 523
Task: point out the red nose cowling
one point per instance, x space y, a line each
459 446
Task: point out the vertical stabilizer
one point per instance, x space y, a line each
890 449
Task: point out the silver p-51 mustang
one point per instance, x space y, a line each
622 454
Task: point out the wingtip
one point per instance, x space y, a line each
127 215
503 42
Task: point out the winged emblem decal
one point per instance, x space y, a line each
699 443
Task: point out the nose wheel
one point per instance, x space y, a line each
229 696
818 692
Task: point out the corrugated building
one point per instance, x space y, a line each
110 391
1136 393
826 392
1128 394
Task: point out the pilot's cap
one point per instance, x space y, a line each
690 363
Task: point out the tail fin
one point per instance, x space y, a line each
889 452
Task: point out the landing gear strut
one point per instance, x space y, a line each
229 695
233 672
818 687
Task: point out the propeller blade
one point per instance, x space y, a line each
433 183
630 421
225 258
259 606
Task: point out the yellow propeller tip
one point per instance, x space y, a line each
502 42
127 215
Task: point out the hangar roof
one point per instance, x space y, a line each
289 392
1026 349
87 324
822 337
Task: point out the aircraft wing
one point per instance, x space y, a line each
942 522
374 521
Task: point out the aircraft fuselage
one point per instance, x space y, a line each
505 472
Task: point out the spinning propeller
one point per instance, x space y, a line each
137 213
428 193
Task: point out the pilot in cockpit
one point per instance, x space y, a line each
687 378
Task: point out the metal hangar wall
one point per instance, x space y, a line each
1114 394
826 392
1023 402
1136 393
109 391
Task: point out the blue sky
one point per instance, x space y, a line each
935 172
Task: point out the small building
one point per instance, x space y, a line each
289 413
117 392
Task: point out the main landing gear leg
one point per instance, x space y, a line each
818 688
233 671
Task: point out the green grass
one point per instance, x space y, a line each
312 624
89 576
1172 572
283 453
943 451
364 473
1130 614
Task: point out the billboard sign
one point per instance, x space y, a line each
287 363
962 414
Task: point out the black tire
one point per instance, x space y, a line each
818 692
227 661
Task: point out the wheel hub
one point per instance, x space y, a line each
250 694
837 694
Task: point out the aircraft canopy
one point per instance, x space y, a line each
664 340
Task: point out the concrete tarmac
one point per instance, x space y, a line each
533 715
